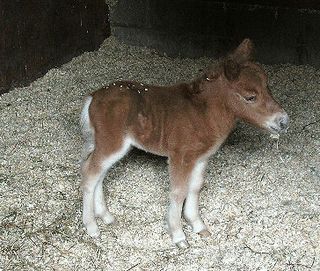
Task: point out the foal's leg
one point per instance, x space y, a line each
100 207
191 206
93 172
179 175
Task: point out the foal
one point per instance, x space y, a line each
187 123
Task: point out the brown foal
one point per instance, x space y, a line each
186 122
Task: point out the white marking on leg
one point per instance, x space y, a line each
100 207
191 207
89 220
174 216
93 199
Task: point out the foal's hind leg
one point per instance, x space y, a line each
93 172
100 207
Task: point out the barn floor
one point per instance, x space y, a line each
261 199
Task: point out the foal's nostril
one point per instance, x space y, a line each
284 122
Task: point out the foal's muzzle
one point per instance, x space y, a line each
278 123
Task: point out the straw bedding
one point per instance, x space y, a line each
260 200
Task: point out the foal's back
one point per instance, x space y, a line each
150 115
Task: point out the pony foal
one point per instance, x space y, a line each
187 123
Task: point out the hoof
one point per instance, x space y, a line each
205 233
182 244
108 219
93 231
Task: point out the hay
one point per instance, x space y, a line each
260 203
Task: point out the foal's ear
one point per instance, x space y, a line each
244 52
231 69
232 64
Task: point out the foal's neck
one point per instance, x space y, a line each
220 117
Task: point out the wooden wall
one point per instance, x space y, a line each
283 30
38 35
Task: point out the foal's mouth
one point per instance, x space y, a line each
277 130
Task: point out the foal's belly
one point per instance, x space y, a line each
148 144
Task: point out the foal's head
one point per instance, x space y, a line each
246 91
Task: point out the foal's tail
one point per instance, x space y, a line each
87 129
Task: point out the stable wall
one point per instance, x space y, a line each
38 35
284 31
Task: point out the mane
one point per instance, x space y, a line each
211 73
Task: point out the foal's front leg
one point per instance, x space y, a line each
179 175
191 206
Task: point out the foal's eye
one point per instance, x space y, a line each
251 99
